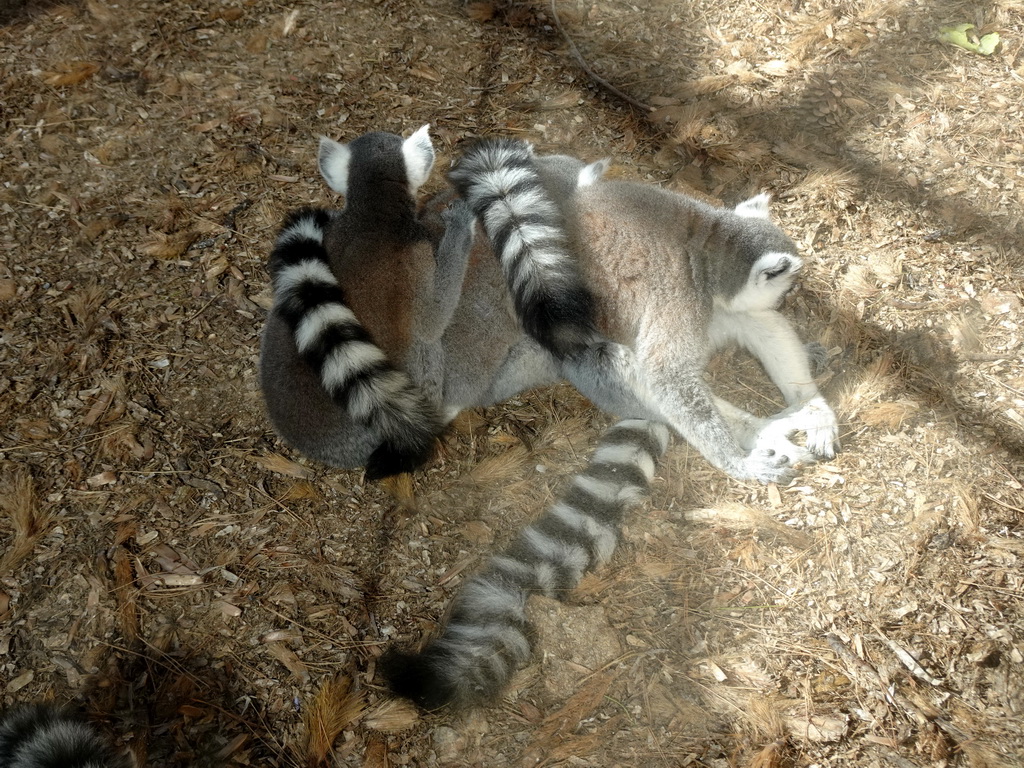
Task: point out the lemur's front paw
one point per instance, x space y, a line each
766 465
459 231
775 436
818 421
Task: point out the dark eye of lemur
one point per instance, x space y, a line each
781 269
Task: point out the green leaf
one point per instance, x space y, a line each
959 36
987 44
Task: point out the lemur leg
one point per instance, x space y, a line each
747 446
610 375
607 373
527 365
424 361
438 292
771 338
680 392
744 426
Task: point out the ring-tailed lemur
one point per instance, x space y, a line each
453 328
672 279
43 736
323 374
486 637
388 321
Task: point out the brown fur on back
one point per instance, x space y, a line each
385 281
380 281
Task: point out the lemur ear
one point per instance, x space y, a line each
418 153
334 160
593 172
754 208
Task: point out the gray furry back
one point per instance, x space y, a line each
486 638
666 281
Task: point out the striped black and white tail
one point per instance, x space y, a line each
41 736
499 180
354 371
485 640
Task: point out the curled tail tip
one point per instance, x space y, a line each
390 459
486 156
410 443
415 676
46 735
441 677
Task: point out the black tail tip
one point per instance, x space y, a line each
46 735
561 316
390 459
414 676
565 339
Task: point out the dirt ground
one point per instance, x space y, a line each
213 599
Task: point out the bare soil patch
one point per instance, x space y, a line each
208 594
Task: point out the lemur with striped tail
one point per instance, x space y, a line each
338 392
389 319
664 276
486 637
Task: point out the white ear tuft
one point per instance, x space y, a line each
333 161
754 208
593 172
418 153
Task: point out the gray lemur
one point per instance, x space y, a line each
438 330
330 385
623 265
389 320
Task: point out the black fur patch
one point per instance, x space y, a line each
40 736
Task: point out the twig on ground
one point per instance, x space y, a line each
908 661
869 677
646 109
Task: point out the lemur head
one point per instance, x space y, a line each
376 157
768 256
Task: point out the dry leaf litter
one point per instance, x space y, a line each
214 599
